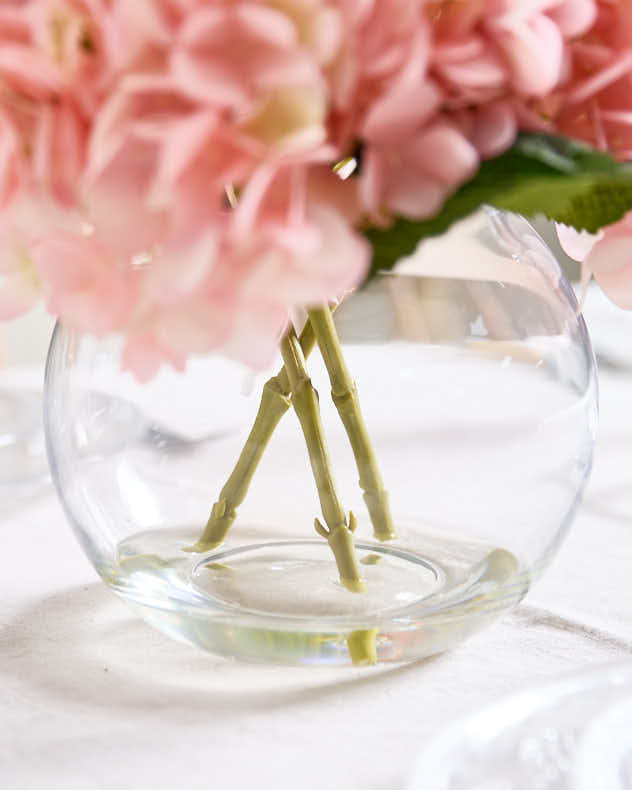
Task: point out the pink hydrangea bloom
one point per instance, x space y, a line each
607 257
470 71
21 283
490 49
595 103
82 282
183 149
12 165
285 244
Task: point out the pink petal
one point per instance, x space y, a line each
83 283
458 50
372 182
247 209
445 154
610 261
605 77
574 17
12 167
534 48
611 264
495 129
415 197
140 103
485 70
254 339
181 143
144 355
29 71
59 150
576 244
408 101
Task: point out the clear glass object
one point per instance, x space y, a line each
23 463
477 384
573 734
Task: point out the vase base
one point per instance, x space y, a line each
298 579
280 601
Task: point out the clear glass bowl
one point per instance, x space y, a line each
23 464
572 734
477 384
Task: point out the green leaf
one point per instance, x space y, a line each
567 181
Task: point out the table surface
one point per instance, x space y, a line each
91 697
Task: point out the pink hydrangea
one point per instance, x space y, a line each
605 256
184 149
595 103
458 94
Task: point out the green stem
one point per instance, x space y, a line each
338 533
362 647
275 401
345 397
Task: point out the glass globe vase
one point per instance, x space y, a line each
23 464
477 387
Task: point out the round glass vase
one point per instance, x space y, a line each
23 463
477 385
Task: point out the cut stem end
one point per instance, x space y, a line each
201 547
363 647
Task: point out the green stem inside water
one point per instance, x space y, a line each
362 647
338 533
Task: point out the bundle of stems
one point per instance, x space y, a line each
292 386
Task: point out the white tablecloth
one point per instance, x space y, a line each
90 697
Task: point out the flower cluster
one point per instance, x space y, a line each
168 167
596 105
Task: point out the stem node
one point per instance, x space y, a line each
305 401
